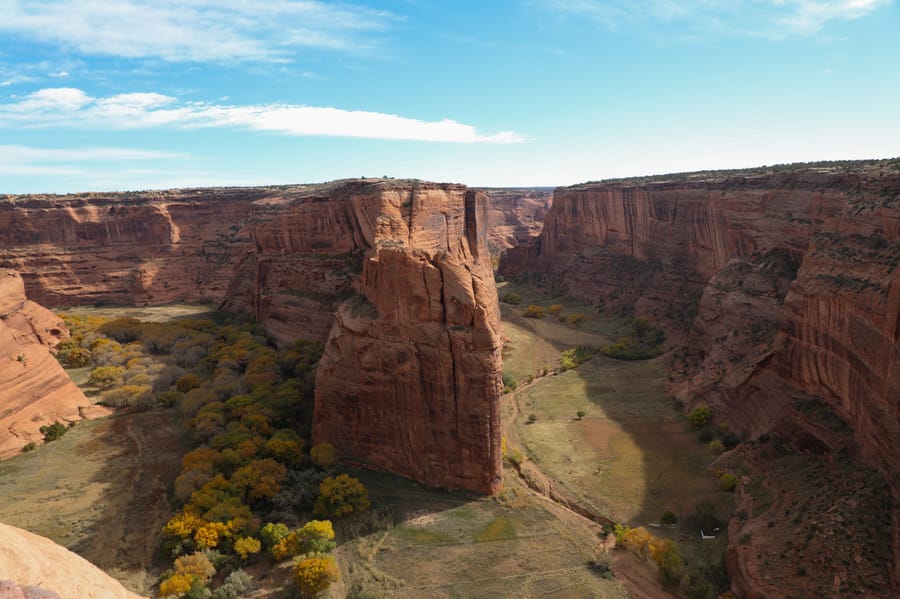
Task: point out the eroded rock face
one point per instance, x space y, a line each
516 216
780 291
34 389
32 566
128 248
400 272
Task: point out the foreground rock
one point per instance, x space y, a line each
32 567
780 290
34 389
401 274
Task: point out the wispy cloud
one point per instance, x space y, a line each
194 30
763 18
73 108
28 160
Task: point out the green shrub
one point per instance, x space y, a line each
700 416
532 418
29 447
581 414
534 311
715 447
511 298
576 356
728 482
54 431
668 518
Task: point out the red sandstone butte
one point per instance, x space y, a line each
400 271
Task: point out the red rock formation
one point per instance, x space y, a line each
410 378
35 567
148 248
516 216
785 287
34 389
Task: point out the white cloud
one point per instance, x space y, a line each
765 18
30 161
194 30
73 108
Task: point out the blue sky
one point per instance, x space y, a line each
138 94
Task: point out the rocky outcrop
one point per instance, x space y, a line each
35 567
780 290
34 389
396 275
516 216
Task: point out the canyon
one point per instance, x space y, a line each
780 292
362 266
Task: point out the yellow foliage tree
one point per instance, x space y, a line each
210 534
196 565
324 455
246 546
340 496
315 574
176 585
182 525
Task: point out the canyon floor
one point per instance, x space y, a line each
628 460
101 490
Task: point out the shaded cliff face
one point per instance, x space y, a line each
780 291
129 249
34 389
400 271
516 216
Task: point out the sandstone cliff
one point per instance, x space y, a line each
780 291
34 389
400 273
516 216
35 567
128 248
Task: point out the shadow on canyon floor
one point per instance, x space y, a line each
632 456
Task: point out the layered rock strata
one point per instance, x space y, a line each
400 272
783 287
516 216
34 389
129 248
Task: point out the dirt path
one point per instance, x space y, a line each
100 491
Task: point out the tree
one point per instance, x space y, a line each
534 311
324 455
246 546
106 377
313 575
668 518
340 496
700 416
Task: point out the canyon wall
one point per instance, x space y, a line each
129 248
400 273
34 389
780 293
516 216
395 275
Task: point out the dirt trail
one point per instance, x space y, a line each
100 490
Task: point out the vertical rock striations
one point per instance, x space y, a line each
782 290
34 389
400 271
127 248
